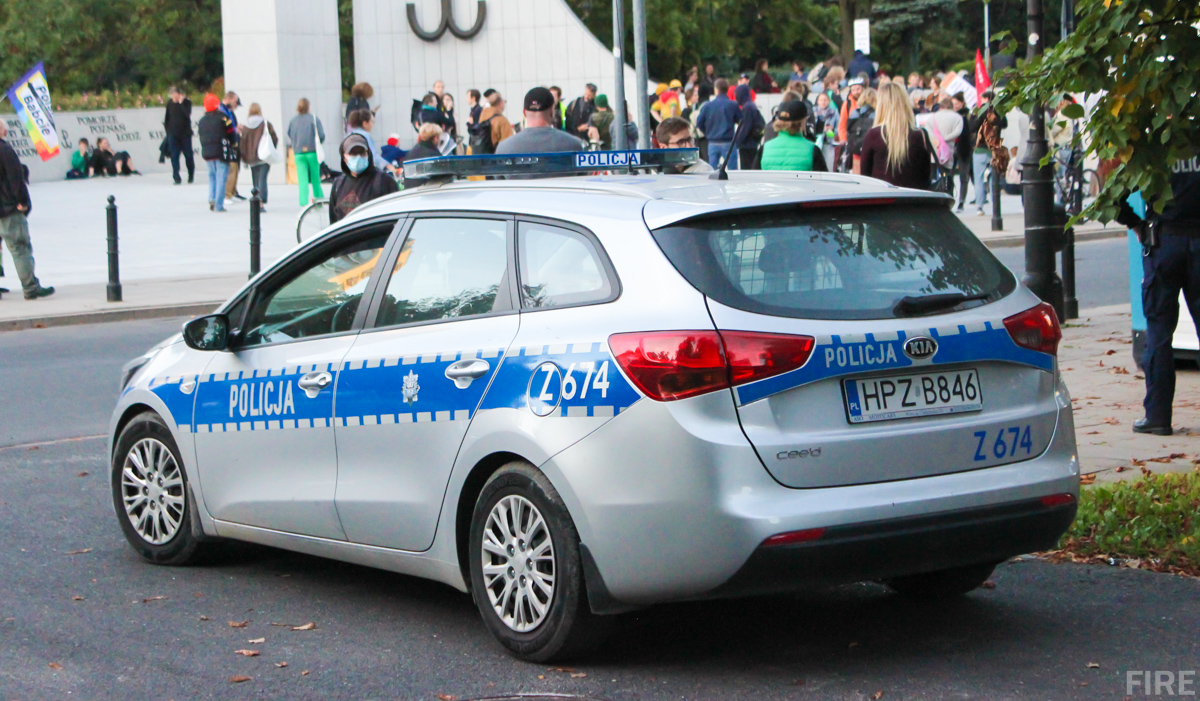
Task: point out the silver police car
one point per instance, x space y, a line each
577 396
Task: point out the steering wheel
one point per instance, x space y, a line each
343 318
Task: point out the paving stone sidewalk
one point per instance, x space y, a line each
1107 389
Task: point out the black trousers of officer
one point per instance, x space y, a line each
1171 266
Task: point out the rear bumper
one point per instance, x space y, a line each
895 547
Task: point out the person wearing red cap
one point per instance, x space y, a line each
217 148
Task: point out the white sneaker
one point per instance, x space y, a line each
979 213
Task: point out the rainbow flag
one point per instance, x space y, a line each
30 97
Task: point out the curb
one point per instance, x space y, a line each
107 315
1080 237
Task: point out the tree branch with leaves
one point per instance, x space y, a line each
1140 57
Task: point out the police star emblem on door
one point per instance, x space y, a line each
410 388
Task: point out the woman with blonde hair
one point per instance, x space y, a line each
895 150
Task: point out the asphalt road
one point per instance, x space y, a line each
138 630
1101 270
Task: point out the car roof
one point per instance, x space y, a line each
662 199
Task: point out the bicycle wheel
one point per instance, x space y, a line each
313 220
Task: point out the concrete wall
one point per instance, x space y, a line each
278 51
523 43
138 131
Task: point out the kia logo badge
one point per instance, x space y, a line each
920 347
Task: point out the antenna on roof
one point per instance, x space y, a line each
739 136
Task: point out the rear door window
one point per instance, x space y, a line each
838 262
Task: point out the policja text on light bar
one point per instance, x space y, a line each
564 163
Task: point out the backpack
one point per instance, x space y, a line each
857 132
941 149
481 137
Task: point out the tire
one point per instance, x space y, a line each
942 584
167 532
565 627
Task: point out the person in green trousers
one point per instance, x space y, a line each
304 131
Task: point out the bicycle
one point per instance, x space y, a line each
313 220
1064 179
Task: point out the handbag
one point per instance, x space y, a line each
267 153
320 149
939 176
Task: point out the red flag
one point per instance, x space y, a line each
982 81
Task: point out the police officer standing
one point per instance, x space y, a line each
1170 263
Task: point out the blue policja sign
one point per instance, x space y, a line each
607 159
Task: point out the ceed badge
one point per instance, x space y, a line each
920 347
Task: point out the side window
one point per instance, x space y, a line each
319 299
559 268
448 268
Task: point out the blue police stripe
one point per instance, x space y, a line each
513 382
838 356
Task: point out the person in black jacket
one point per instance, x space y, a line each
580 111
962 148
1170 264
14 208
360 181
178 125
217 148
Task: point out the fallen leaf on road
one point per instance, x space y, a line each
282 625
877 695
1118 371
247 653
1110 351
256 641
305 673
564 670
1093 665
238 679
447 697
306 626
77 598
238 624
851 646
1091 433
1137 463
1111 421
281 664
79 552
1088 478
55 666
153 598
82 474
988 585
205 618
1122 468
578 675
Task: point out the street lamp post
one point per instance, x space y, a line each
1074 198
1042 235
643 78
619 140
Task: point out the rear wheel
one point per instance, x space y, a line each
943 584
153 501
526 570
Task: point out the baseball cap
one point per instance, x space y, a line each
745 75
856 81
792 111
211 102
675 84
539 99
602 101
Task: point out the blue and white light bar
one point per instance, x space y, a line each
549 164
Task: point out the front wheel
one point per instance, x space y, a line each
943 584
526 569
153 501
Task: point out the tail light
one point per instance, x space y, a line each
1058 500
793 537
668 365
1036 329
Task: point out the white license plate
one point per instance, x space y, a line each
902 396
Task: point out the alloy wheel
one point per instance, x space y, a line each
152 491
518 563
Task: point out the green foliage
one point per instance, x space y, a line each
93 45
1156 518
1141 55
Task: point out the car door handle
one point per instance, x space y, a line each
314 382
466 371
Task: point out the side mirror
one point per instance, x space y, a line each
208 333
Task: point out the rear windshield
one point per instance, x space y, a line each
837 262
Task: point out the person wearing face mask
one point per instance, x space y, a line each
360 180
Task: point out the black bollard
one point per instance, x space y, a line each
997 218
114 262
255 233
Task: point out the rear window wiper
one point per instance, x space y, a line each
925 304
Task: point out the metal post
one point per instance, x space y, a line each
1041 234
255 233
619 141
987 36
997 217
643 74
114 262
1074 198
